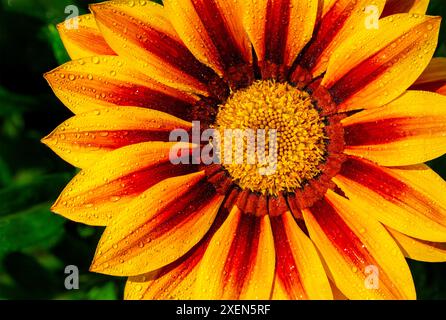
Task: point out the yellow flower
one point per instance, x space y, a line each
350 196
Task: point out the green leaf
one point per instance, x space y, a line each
42 189
45 10
52 36
104 292
33 227
12 103
32 279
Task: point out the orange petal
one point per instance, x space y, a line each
177 280
103 81
299 271
82 38
375 66
433 78
340 20
140 31
363 259
409 130
174 282
239 262
405 6
104 190
279 29
213 32
408 199
158 227
420 250
85 138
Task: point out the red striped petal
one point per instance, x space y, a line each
299 271
105 189
82 38
384 63
239 262
433 78
213 32
405 6
141 31
407 131
85 138
408 199
159 227
105 81
279 30
363 259
340 19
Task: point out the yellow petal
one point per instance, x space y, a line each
141 31
409 130
299 271
105 81
279 30
86 138
173 282
82 38
408 199
239 262
375 66
403 6
339 21
213 32
158 227
363 259
105 189
420 250
433 78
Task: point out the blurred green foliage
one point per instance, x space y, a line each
36 245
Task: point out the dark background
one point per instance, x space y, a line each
36 245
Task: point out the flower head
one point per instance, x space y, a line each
336 98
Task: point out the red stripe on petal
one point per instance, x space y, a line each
286 268
331 25
376 65
222 38
113 139
343 238
185 208
243 251
155 41
390 130
387 186
137 182
278 21
120 93
89 41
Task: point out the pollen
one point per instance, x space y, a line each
271 137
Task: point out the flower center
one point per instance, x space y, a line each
282 135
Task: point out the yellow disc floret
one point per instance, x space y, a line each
285 119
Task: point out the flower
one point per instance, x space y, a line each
350 195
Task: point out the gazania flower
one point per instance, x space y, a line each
355 118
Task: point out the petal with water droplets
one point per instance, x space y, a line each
375 66
409 130
106 81
105 189
299 272
85 138
363 259
408 199
158 227
82 38
142 32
